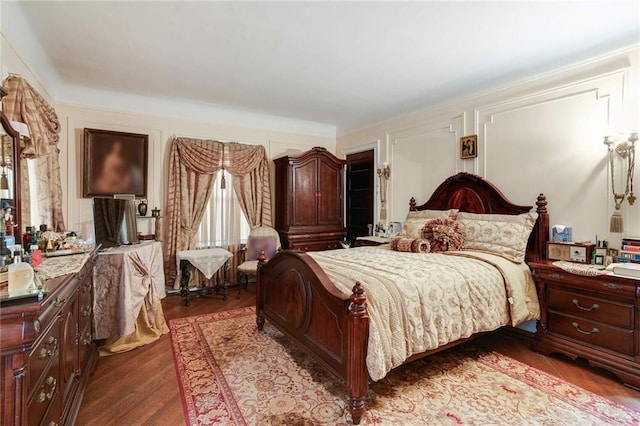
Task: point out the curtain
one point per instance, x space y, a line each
25 104
192 167
249 166
223 223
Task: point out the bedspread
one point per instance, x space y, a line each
417 301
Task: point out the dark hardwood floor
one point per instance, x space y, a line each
140 387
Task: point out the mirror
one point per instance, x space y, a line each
10 174
115 222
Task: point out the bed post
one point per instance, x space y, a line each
262 259
543 228
358 338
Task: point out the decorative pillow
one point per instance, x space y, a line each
413 224
443 234
413 245
500 234
255 244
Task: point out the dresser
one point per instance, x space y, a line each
47 350
309 200
592 317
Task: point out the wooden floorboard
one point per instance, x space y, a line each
140 387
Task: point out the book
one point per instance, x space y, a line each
627 269
625 255
628 247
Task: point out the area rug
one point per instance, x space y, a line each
232 374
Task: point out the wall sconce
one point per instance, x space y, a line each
625 148
383 175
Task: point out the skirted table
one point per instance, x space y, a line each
128 288
208 262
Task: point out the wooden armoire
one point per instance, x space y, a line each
309 200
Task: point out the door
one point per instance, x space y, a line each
359 193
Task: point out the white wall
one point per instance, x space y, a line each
161 128
544 135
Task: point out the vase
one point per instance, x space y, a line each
142 208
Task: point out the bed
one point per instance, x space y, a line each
297 296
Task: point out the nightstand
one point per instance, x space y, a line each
592 317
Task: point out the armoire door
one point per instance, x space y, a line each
304 193
329 196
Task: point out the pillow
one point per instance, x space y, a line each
413 245
443 234
413 224
255 244
499 234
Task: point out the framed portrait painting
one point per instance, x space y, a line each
469 146
115 163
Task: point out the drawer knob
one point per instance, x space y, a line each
594 330
594 307
59 301
44 396
44 353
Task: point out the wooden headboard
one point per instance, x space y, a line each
471 193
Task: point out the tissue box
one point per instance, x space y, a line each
561 234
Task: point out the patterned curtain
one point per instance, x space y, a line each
192 167
249 166
193 164
25 104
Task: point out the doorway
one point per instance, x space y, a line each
359 193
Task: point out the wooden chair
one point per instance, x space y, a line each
260 238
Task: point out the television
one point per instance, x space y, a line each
114 221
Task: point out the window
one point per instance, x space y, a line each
224 223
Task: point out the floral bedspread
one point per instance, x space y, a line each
420 301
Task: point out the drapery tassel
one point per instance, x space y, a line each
223 181
615 225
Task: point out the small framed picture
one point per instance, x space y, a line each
469 146
601 251
612 252
599 259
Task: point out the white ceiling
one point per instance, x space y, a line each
346 64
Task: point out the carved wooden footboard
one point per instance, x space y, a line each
296 295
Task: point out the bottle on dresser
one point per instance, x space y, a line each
20 275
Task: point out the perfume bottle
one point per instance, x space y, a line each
20 276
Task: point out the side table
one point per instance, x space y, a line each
208 262
592 317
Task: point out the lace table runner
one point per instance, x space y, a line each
581 268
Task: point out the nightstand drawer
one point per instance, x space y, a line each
592 308
594 333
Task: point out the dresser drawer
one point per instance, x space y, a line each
592 308
593 333
43 354
47 395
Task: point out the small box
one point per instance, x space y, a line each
561 234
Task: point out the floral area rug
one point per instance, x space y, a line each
232 374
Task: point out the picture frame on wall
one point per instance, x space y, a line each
469 146
115 163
